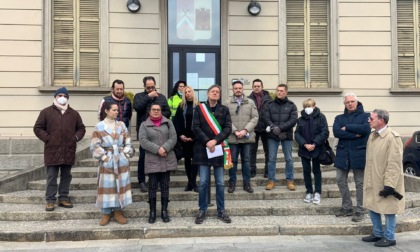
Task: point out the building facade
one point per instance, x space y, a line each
320 48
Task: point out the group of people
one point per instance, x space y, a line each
214 135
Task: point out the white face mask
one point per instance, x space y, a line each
309 110
62 100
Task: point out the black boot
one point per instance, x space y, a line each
152 213
164 214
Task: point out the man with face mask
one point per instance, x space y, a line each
60 127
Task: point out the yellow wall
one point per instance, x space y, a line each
135 43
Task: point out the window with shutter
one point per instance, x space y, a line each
75 43
408 43
307 32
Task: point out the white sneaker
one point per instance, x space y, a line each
308 198
317 198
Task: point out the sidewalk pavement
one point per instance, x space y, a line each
407 241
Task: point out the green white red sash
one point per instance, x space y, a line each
215 127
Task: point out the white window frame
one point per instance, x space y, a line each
395 87
333 50
103 56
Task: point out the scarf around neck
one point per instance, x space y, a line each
157 121
62 108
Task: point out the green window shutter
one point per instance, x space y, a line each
63 42
76 43
406 43
307 43
318 63
295 43
89 43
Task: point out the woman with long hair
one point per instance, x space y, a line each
111 145
183 125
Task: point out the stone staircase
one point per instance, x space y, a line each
276 212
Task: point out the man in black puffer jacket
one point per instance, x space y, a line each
281 116
261 99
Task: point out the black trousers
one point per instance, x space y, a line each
254 149
63 188
316 169
140 166
163 179
191 171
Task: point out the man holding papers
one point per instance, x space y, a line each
212 126
244 116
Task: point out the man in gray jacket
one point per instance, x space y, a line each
244 115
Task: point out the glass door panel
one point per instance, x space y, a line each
201 72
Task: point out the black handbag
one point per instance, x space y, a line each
178 151
326 154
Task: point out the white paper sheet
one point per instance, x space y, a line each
218 151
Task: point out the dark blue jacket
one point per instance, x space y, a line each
319 129
351 149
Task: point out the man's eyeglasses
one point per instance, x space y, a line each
150 88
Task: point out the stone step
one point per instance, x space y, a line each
283 207
91 172
89 229
134 160
178 194
328 177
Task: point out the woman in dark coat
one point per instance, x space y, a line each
183 125
158 138
311 133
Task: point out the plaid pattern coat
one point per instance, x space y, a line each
114 184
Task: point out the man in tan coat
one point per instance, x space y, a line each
383 179
244 114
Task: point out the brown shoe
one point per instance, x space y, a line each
290 185
105 219
65 204
49 207
270 185
119 217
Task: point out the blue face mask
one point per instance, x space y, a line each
309 110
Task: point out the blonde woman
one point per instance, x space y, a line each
183 125
311 133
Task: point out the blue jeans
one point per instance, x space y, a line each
204 182
108 210
244 149
273 147
390 223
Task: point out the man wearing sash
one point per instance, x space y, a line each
212 126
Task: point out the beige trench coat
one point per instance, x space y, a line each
384 168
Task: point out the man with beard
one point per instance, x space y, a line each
125 109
